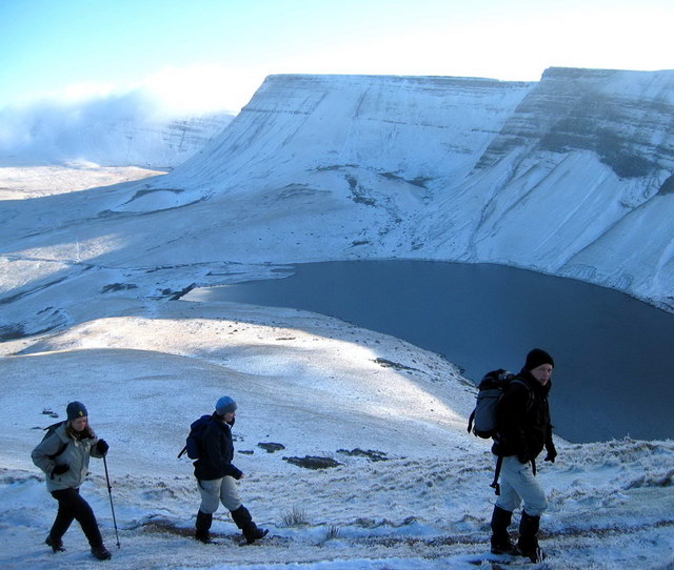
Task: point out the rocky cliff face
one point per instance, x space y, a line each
625 119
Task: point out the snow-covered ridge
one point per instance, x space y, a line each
571 175
622 117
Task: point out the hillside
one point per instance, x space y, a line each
96 261
570 176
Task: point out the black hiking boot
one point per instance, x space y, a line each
505 548
528 541
536 555
500 539
204 537
202 527
255 534
101 553
244 521
55 545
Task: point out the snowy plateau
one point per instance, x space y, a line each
571 176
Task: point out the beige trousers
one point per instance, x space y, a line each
518 485
218 491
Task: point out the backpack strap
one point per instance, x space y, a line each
51 432
497 472
471 419
61 449
530 394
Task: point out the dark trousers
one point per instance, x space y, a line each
73 507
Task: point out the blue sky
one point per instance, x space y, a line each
215 53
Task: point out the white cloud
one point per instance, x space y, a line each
77 92
56 122
202 88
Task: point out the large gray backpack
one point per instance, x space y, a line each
482 421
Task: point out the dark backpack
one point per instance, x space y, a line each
482 421
193 441
49 431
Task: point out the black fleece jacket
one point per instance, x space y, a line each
523 419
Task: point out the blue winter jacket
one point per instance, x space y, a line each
217 452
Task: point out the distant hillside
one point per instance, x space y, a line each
61 135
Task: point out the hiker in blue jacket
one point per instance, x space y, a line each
523 430
64 458
217 476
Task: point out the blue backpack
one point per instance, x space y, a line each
193 441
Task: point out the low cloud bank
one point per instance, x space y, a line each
159 122
113 129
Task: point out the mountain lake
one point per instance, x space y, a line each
611 379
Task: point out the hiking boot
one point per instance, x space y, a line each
101 553
500 539
204 536
528 540
202 527
255 534
535 555
55 545
244 521
505 548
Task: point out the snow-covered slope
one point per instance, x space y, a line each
571 175
411 489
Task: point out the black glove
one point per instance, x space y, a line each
59 469
102 446
552 454
523 457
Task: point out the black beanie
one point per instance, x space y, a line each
536 358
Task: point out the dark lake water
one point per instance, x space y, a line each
612 378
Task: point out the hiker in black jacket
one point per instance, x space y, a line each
523 430
217 475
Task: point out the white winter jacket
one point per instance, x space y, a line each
75 455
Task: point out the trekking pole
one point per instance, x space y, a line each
112 507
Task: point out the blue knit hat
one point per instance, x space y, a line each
225 405
76 410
